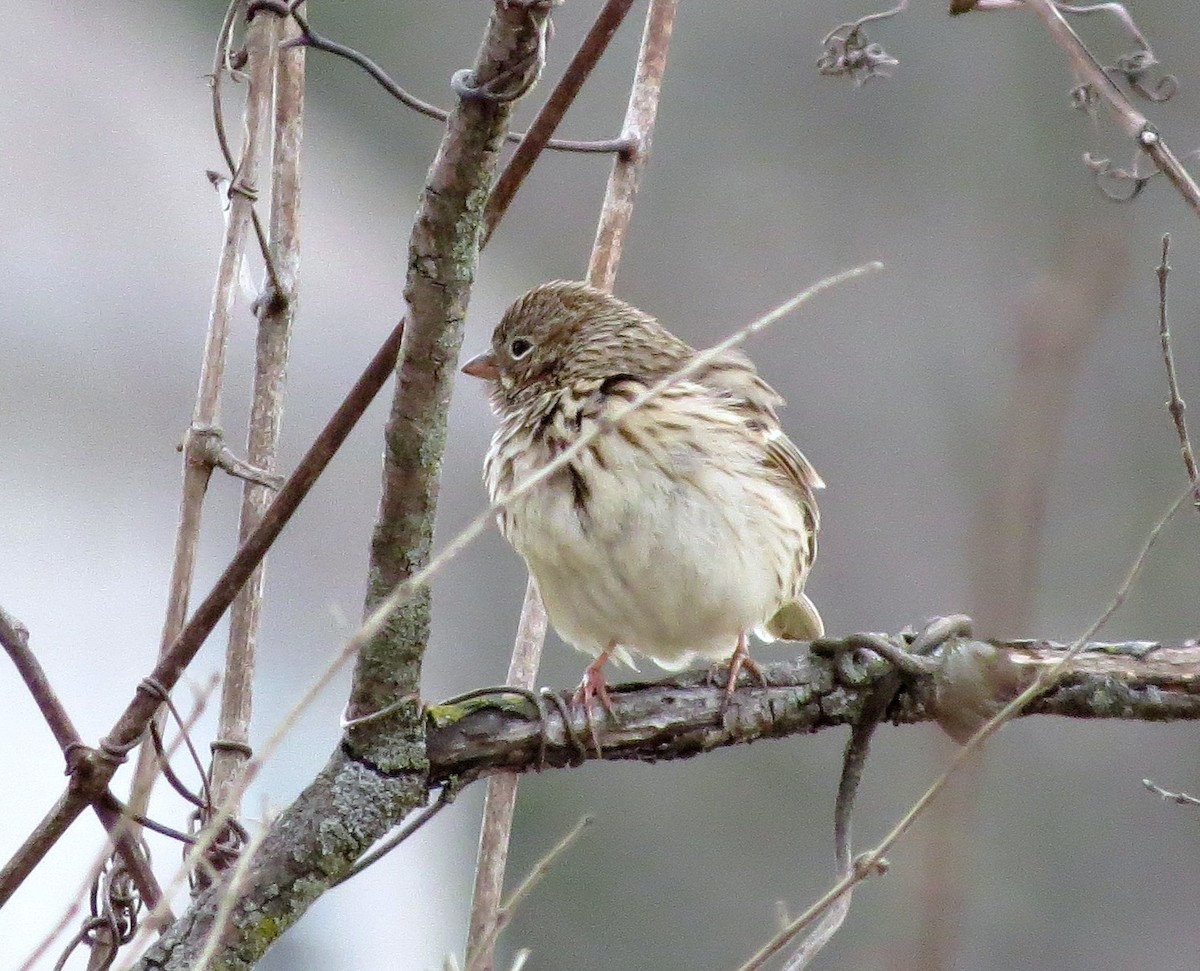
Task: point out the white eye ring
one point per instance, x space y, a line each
519 347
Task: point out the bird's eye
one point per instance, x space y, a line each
518 347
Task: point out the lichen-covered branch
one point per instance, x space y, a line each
681 717
380 773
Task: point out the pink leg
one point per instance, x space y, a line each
741 659
592 686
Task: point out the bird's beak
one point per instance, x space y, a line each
482 366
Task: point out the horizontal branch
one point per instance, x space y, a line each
681 716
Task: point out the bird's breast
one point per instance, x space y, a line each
649 537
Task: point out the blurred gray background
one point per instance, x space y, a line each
962 173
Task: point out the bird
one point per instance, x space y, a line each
680 528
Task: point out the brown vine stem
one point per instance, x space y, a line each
15 639
276 310
1131 121
500 802
175 659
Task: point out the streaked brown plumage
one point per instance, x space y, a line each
675 534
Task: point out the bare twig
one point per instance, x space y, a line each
523 890
276 310
638 128
1132 122
1175 404
611 15
261 41
310 38
1044 680
500 802
15 639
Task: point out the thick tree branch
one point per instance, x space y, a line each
681 717
380 774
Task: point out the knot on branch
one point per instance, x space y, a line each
973 682
515 79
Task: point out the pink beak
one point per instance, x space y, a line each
482 366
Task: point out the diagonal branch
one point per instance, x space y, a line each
1132 122
379 773
15 639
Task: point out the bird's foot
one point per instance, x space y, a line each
594 685
741 659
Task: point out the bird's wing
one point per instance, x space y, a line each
732 374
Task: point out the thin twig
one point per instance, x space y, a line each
1045 679
499 806
523 890
261 43
594 44
637 130
1175 404
310 38
500 801
15 638
1131 121
276 311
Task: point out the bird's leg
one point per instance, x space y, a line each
741 659
592 686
